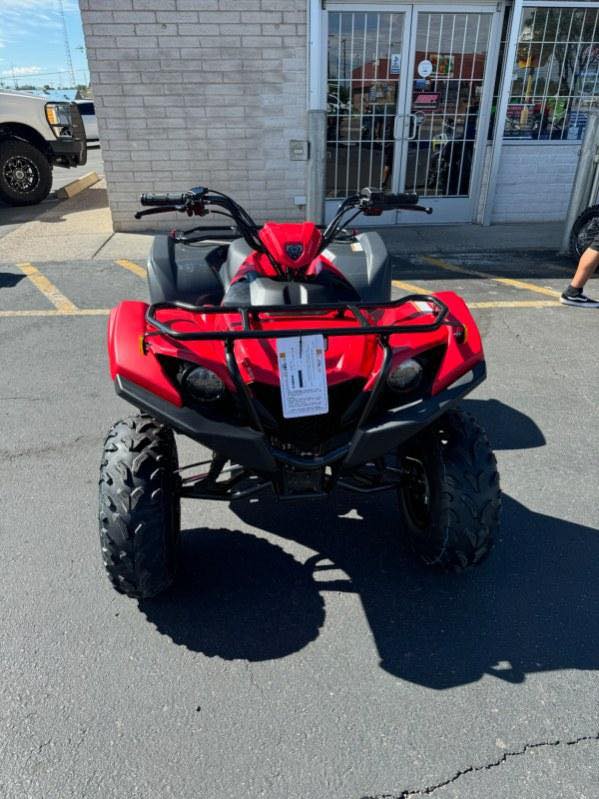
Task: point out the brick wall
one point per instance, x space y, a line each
199 92
534 182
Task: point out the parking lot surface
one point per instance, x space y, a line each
302 654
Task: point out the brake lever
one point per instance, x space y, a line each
191 209
162 210
424 208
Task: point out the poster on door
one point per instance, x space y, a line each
443 65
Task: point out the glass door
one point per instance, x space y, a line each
449 86
367 68
408 101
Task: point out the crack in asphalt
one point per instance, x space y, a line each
429 789
9 456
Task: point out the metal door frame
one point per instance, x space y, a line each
389 217
464 208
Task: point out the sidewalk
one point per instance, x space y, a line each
81 229
447 239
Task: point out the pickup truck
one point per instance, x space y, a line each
35 136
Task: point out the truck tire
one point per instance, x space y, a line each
449 507
139 506
25 174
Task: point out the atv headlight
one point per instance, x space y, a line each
203 384
405 376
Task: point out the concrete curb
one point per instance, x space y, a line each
78 185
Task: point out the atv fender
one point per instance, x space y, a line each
128 356
463 353
365 262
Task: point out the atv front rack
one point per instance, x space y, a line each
249 444
252 315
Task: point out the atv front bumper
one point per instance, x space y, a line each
251 449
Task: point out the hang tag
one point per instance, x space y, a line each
303 376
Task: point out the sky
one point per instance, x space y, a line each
32 47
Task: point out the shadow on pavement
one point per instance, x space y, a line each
238 597
532 606
506 427
8 280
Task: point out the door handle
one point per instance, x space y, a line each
399 126
396 133
414 124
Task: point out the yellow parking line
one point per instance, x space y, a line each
410 287
49 290
515 304
506 281
77 312
132 267
521 284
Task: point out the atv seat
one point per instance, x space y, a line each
256 290
185 272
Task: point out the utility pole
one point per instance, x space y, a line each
67 46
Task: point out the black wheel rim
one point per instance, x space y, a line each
416 493
586 235
21 174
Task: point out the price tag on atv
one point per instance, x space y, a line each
303 376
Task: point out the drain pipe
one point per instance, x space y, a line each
316 114
586 180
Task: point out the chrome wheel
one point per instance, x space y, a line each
21 174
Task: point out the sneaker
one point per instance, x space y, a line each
578 300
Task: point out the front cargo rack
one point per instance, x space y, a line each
250 315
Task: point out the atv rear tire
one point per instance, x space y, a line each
450 505
25 174
139 506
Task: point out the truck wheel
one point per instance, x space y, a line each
25 174
449 504
139 506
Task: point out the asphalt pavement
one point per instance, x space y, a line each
302 653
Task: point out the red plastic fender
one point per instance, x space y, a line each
461 356
129 358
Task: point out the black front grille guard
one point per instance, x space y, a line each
251 315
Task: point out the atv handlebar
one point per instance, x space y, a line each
370 202
165 199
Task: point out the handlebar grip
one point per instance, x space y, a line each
163 199
404 198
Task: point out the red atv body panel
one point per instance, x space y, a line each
347 357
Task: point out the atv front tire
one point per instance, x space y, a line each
139 506
449 504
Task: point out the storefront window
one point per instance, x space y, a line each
555 81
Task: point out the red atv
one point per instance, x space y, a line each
280 350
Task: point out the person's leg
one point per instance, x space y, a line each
589 261
574 295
